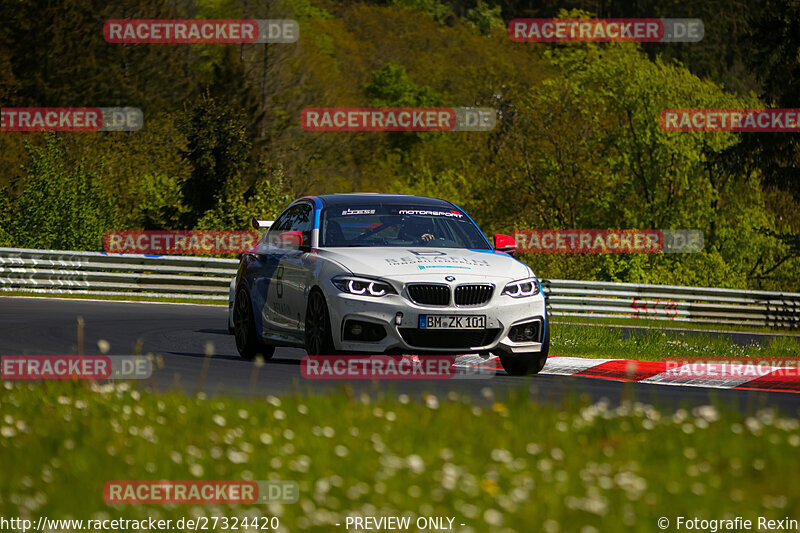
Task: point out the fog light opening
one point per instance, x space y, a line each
358 330
528 332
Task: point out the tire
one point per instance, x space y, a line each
319 336
527 365
244 330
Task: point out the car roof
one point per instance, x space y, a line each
345 199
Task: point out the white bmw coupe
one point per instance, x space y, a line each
381 273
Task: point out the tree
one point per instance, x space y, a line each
391 86
60 205
587 152
265 200
485 18
217 149
437 10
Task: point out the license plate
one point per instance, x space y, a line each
452 321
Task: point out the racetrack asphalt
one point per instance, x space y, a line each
181 333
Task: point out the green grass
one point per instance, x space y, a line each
669 324
496 465
654 345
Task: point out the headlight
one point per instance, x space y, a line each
522 288
363 286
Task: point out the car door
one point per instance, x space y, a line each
286 276
294 273
267 289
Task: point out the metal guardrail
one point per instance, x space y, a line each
95 273
666 302
185 277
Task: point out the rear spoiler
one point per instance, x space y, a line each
261 224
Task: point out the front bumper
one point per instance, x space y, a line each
502 313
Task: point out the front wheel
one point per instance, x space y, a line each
319 337
526 365
244 329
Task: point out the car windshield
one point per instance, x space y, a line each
399 225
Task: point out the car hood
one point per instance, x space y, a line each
426 263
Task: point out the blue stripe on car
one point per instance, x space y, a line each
473 223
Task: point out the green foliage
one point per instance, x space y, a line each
706 269
304 9
60 58
485 18
423 181
59 206
217 149
586 150
143 171
264 200
435 8
391 86
6 240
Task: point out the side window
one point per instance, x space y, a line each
280 225
301 221
296 218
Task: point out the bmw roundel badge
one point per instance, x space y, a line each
449 278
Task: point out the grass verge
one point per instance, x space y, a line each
670 324
504 465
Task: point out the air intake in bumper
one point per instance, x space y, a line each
454 338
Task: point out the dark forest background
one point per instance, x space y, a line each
577 144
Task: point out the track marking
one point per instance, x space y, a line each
710 375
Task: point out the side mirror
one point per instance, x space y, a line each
290 239
505 243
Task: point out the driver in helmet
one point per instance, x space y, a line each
418 228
